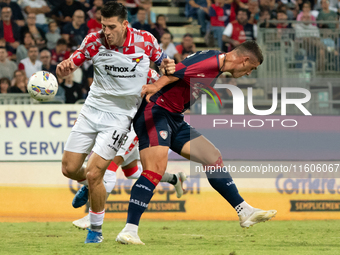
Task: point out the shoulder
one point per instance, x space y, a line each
93 37
142 35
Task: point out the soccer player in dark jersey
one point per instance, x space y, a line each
159 126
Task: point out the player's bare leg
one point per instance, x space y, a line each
201 150
72 165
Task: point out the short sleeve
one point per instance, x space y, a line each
88 49
156 54
228 31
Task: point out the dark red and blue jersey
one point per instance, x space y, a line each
198 71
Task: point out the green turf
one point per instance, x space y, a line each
181 237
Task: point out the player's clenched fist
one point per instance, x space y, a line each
168 66
148 90
65 68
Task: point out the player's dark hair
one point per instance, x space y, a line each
61 41
113 9
250 47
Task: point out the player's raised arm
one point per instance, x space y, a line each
65 68
151 89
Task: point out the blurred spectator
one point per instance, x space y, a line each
169 48
96 3
37 32
132 8
95 24
7 67
327 15
19 76
22 49
199 9
219 13
270 5
31 64
306 10
160 27
60 52
289 12
187 47
254 11
9 29
150 15
40 8
19 87
72 90
4 85
306 30
334 5
17 16
65 11
265 19
45 58
10 54
239 30
53 35
140 23
76 29
281 15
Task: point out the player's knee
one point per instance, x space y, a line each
93 176
67 169
214 155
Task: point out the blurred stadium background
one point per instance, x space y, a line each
300 42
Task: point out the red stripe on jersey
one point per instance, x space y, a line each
150 124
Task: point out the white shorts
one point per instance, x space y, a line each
129 149
101 132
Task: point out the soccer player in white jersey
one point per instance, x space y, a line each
121 58
126 157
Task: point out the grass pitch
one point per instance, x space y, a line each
181 237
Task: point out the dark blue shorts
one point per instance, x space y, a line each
155 126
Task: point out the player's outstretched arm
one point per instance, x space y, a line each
167 66
151 89
65 68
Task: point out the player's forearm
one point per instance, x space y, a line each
165 80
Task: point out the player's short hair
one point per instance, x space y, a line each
113 9
250 47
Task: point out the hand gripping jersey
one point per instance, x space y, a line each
119 72
197 71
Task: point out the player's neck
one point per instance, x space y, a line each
227 62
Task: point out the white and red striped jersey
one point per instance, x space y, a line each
119 72
152 76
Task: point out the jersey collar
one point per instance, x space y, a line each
128 37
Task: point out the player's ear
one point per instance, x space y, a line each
125 24
245 60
